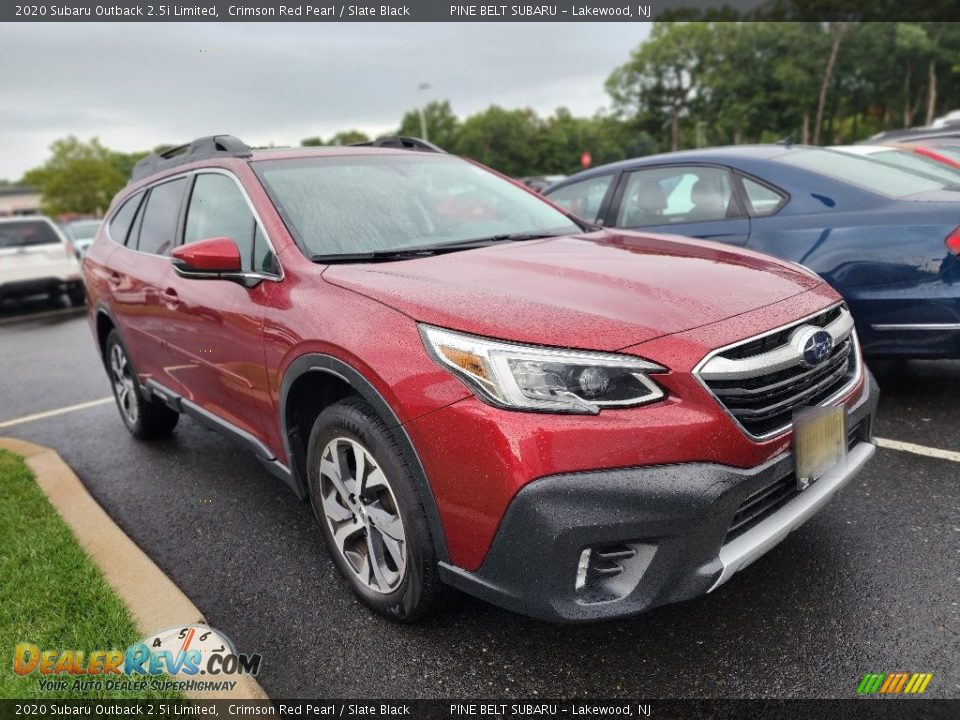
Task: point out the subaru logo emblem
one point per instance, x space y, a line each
815 344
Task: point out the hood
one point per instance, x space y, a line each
601 291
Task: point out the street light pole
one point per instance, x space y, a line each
423 117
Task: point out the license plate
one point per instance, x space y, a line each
819 442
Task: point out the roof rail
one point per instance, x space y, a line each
200 149
401 142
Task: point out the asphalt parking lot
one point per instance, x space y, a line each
871 584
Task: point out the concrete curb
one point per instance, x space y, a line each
153 599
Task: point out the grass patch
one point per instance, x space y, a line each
51 594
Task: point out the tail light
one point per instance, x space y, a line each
953 242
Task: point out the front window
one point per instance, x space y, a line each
863 172
675 195
383 203
218 209
583 198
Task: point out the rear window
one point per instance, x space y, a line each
120 224
862 172
23 233
159 225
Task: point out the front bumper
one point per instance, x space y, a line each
39 286
673 518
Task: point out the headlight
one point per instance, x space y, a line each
535 378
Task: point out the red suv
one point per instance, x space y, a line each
472 387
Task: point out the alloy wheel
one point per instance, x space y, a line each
124 386
362 514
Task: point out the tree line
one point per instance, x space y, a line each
690 84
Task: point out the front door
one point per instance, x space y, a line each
215 333
693 200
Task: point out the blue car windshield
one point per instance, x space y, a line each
863 172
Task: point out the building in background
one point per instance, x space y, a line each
19 200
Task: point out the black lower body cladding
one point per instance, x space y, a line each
664 525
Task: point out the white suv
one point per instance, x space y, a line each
36 259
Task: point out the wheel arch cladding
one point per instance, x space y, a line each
314 381
104 325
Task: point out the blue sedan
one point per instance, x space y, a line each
887 239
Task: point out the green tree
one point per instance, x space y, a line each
662 78
349 137
442 124
79 177
344 137
503 139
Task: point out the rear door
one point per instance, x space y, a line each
215 331
695 200
137 277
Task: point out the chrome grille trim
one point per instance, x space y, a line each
781 358
719 369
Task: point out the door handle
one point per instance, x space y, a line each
170 297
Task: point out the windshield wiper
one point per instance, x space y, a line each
505 237
373 256
409 253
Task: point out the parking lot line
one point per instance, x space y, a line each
54 413
918 449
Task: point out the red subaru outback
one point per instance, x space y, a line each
472 387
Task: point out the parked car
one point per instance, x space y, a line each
80 233
905 158
571 422
887 239
944 150
35 259
949 120
914 133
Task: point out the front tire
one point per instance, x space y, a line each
370 512
145 418
78 296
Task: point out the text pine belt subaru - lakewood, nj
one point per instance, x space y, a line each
472 387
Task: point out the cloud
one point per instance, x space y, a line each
138 85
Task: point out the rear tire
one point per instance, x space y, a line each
372 518
144 417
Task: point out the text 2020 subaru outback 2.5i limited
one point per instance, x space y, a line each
471 387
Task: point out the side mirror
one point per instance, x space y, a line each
213 258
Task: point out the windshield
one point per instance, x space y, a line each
382 203
85 230
20 233
917 164
865 173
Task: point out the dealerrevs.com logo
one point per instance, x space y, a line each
189 658
899 683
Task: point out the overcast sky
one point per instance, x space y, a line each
136 86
